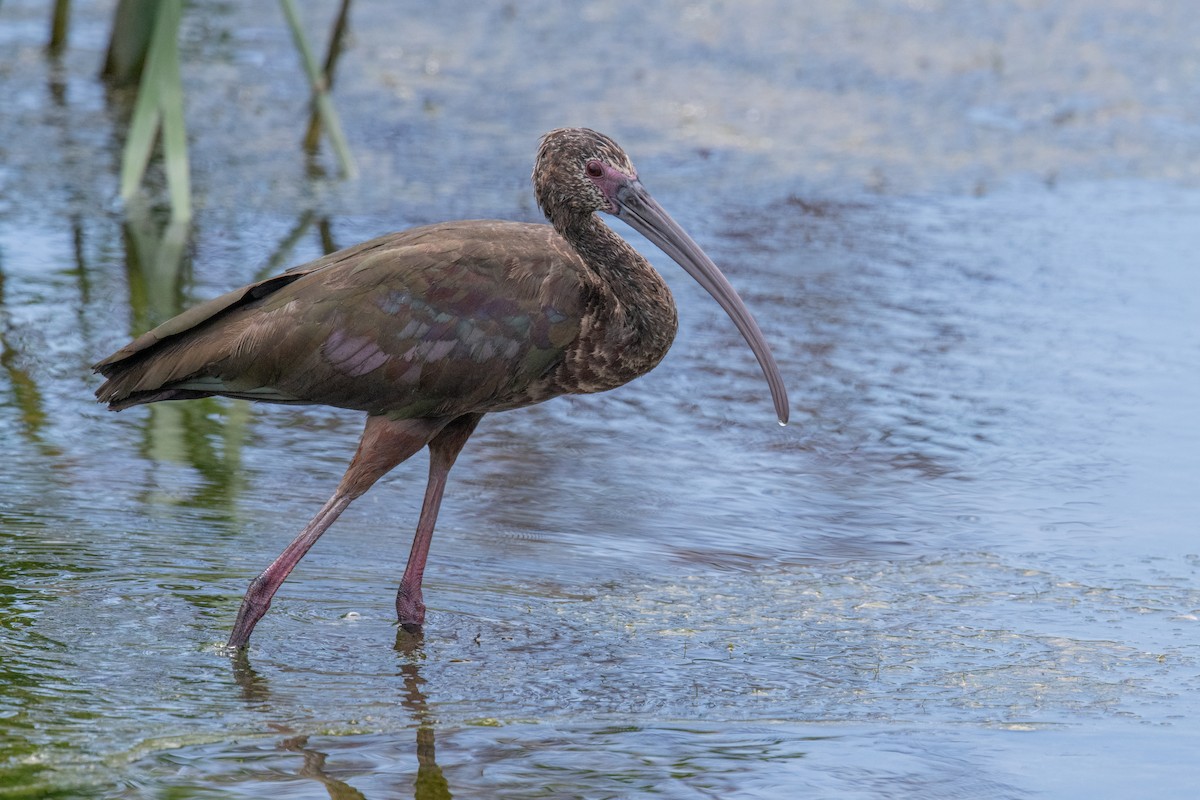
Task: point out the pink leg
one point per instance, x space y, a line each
443 450
384 444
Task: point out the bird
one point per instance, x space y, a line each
429 329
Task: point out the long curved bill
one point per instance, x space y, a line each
636 207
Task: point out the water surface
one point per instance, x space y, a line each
967 568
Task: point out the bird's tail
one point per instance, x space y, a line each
175 361
171 372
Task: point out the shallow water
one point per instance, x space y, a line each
968 568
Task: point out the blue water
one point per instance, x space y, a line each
968 568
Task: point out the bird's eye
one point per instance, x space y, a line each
594 169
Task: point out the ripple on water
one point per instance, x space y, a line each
715 682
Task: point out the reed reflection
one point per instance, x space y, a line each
206 435
25 394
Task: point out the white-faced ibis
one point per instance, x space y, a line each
429 329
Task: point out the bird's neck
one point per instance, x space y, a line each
632 316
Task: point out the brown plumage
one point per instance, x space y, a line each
429 329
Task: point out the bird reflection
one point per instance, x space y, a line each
430 783
255 690
314 768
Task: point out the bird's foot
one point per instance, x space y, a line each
253 606
410 608
239 637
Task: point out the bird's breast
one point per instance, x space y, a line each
620 338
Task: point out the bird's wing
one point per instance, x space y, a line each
437 320
208 311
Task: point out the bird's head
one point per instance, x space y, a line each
579 172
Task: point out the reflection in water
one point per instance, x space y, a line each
256 693
255 689
207 434
314 768
25 393
281 258
23 661
430 783
1003 386
154 265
